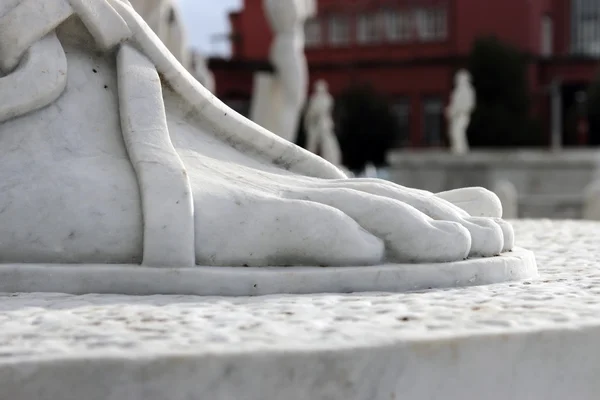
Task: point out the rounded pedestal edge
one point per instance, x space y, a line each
518 264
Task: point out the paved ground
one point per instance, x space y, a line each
36 328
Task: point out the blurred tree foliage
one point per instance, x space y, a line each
366 126
502 115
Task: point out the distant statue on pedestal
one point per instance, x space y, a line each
462 104
279 99
319 125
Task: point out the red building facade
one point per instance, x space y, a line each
409 50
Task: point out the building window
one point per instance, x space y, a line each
401 110
368 28
441 23
313 32
433 121
431 23
547 36
398 25
339 30
585 19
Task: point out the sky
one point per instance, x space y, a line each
205 18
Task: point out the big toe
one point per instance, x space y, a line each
273 231
476 201
409 235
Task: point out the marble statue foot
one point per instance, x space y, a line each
475 202
476 208
111 153
481 202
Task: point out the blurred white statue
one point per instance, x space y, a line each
164 17
318 122
279 99
201 72
462 104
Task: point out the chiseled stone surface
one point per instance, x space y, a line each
136 162
526 340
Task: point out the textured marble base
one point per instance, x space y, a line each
239 281
536 339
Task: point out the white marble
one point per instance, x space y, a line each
166 195
234 281
509 197
468 200
27 88
132 161
280 97
591 201
318 122
458 112
164 18
535 339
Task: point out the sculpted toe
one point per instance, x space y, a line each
487 237
270 231
476 201
409 235
452 241
508 233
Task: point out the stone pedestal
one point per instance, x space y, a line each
535 339
133 279
549 184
